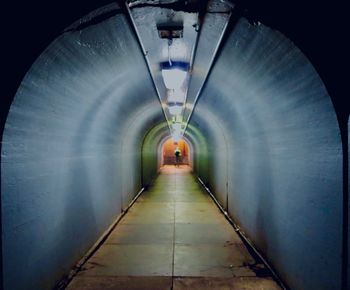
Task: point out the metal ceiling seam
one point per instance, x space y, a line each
144 52
210 67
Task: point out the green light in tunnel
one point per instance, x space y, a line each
177 119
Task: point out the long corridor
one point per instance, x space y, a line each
173 237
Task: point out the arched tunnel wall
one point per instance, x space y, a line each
71 151
200 151
281 140
150 162
152 151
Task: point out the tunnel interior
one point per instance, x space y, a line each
88 129
168 152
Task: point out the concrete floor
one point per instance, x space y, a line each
173 237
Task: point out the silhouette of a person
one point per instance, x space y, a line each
177 156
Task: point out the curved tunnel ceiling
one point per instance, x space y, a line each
315 27
183 42
88 104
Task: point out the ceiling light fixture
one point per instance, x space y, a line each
174 78
177 127
176 96
175 109
176 134
176 137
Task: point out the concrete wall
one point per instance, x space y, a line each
200 151
71 152
264 133
281 140
150 152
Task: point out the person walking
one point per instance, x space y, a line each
177 156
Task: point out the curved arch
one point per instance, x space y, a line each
81 97
161 149
218 153
132 138
150 161
200 153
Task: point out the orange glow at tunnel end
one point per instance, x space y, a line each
169 148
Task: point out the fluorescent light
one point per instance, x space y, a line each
176 131
177 127
173 78
175 110
176 96
176 137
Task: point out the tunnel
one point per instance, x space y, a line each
90 127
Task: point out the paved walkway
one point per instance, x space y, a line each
173 237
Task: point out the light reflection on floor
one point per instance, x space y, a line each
173 237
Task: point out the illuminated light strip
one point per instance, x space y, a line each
174 78
176 96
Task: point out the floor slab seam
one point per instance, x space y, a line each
196 249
